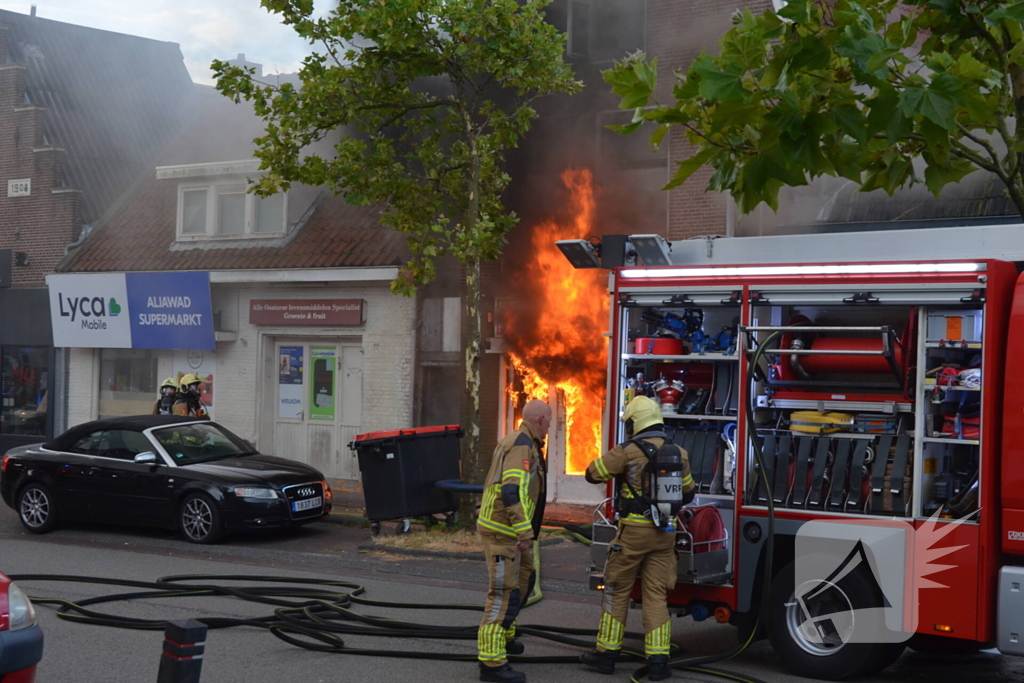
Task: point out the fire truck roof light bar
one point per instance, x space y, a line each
833 269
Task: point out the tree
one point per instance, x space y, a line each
432 94
857 90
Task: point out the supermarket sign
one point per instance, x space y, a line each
132 311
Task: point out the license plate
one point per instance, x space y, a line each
308 504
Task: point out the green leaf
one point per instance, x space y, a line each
970 69
723 84
688 167
936 177
658 134
1013 12
936 102
851 121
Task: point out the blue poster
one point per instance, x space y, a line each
170 310
290 367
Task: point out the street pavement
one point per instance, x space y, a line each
78 653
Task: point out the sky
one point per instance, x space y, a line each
205 29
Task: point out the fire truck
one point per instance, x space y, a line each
866 379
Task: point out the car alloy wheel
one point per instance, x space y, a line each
197 519
35 508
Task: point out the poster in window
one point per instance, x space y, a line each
289 373
321 386
203 364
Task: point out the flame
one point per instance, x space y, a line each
560 341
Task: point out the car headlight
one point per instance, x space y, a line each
22 614
255 492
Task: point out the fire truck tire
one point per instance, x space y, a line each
833 661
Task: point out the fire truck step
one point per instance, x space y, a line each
839 475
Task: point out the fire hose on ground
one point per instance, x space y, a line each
315 613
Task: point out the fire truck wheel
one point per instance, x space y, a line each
818 648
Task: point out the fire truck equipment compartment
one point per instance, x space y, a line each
400 470
964 325
819 423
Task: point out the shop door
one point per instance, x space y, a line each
319 404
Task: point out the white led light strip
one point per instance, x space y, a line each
835 269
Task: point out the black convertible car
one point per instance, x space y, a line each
160 471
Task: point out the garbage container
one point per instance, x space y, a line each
400 470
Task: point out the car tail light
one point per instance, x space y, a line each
3 463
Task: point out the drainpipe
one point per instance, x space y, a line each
86 230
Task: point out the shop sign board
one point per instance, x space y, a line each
132 310
321 386
306 312
289 401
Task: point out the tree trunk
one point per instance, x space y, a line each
471 422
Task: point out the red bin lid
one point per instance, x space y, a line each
410 432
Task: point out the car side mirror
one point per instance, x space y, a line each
146 458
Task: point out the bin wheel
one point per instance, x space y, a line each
403 527
375 529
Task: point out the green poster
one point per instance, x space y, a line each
321 399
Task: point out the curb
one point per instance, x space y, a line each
444 554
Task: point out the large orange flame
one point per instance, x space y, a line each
560 343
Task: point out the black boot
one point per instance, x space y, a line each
603 661
657 668
501 674
514 647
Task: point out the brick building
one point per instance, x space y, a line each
299 386
80 111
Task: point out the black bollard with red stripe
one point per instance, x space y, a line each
182 658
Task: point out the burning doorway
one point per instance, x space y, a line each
554 327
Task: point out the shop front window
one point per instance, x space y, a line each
128 382
25 375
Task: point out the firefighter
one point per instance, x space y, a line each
645 541
168 395
509 522
189 401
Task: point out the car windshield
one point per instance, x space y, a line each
191 443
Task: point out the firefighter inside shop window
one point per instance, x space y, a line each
189 402
168 396
653 482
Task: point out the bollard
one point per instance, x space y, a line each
182 658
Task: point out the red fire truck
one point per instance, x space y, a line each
866 390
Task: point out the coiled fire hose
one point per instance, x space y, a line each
313 614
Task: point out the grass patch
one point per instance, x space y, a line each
459 541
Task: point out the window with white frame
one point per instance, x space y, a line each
228 210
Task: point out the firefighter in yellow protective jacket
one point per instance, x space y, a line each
189 402
645 542
509 522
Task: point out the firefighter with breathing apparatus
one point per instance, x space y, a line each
653 481
189 401
509 522
168 395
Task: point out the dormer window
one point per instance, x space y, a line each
227 210
213 203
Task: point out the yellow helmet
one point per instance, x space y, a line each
169 382
189 379
644 413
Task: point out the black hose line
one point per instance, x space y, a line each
315 614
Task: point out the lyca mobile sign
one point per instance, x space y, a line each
132 310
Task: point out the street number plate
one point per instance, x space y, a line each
308 504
